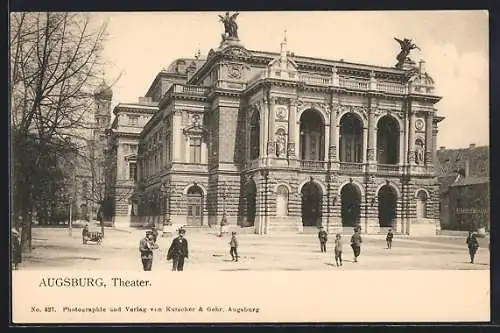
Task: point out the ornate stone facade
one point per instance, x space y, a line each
285 142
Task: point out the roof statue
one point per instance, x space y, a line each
230 26
406 46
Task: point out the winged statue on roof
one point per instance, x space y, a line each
406 46
230 26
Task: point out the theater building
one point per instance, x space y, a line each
280 142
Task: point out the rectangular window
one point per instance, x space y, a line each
132 175
133 120
195 149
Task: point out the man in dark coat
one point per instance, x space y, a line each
146 247
356 244
16 255
473 245
178 251
323 238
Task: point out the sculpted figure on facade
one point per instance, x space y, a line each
281 143
406 46
230 26
419 151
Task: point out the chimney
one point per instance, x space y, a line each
421 66
472 146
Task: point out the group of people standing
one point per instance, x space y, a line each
356 241
177 252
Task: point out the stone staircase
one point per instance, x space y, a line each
280 225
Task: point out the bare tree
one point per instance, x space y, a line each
55 65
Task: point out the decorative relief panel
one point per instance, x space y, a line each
281 113
419 124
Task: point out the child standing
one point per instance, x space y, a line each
338 249
234 246
389 238
323 238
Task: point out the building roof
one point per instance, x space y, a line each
470 181
451 161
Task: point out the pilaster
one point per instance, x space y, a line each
428 139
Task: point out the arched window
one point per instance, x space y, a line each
351 139
282 201
421 204
312 136
387 140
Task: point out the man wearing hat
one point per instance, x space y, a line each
323 238
178 251
146 247
16 255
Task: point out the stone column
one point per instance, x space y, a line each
428 139
263 129
411 137
371 156
434 141
405 142
332 149
292 126
271 143
365 144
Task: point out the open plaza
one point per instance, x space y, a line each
54 249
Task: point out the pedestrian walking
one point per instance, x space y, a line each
178 251
338 249
356 244
85 233
323 238
146 247
233 243
16 251
472 244
389 238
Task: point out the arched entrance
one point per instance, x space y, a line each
387 199
421 204
387 140
312 136
194 206
351 139
255 135
312 198
350 199
251 202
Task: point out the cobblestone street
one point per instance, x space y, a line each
53 248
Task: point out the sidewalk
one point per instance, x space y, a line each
55 249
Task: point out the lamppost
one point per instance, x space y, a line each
223 221
169 204
70 216
265 175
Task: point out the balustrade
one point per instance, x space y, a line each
351 167
309 164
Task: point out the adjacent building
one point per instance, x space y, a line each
463 175
278 141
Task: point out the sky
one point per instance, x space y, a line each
454 45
